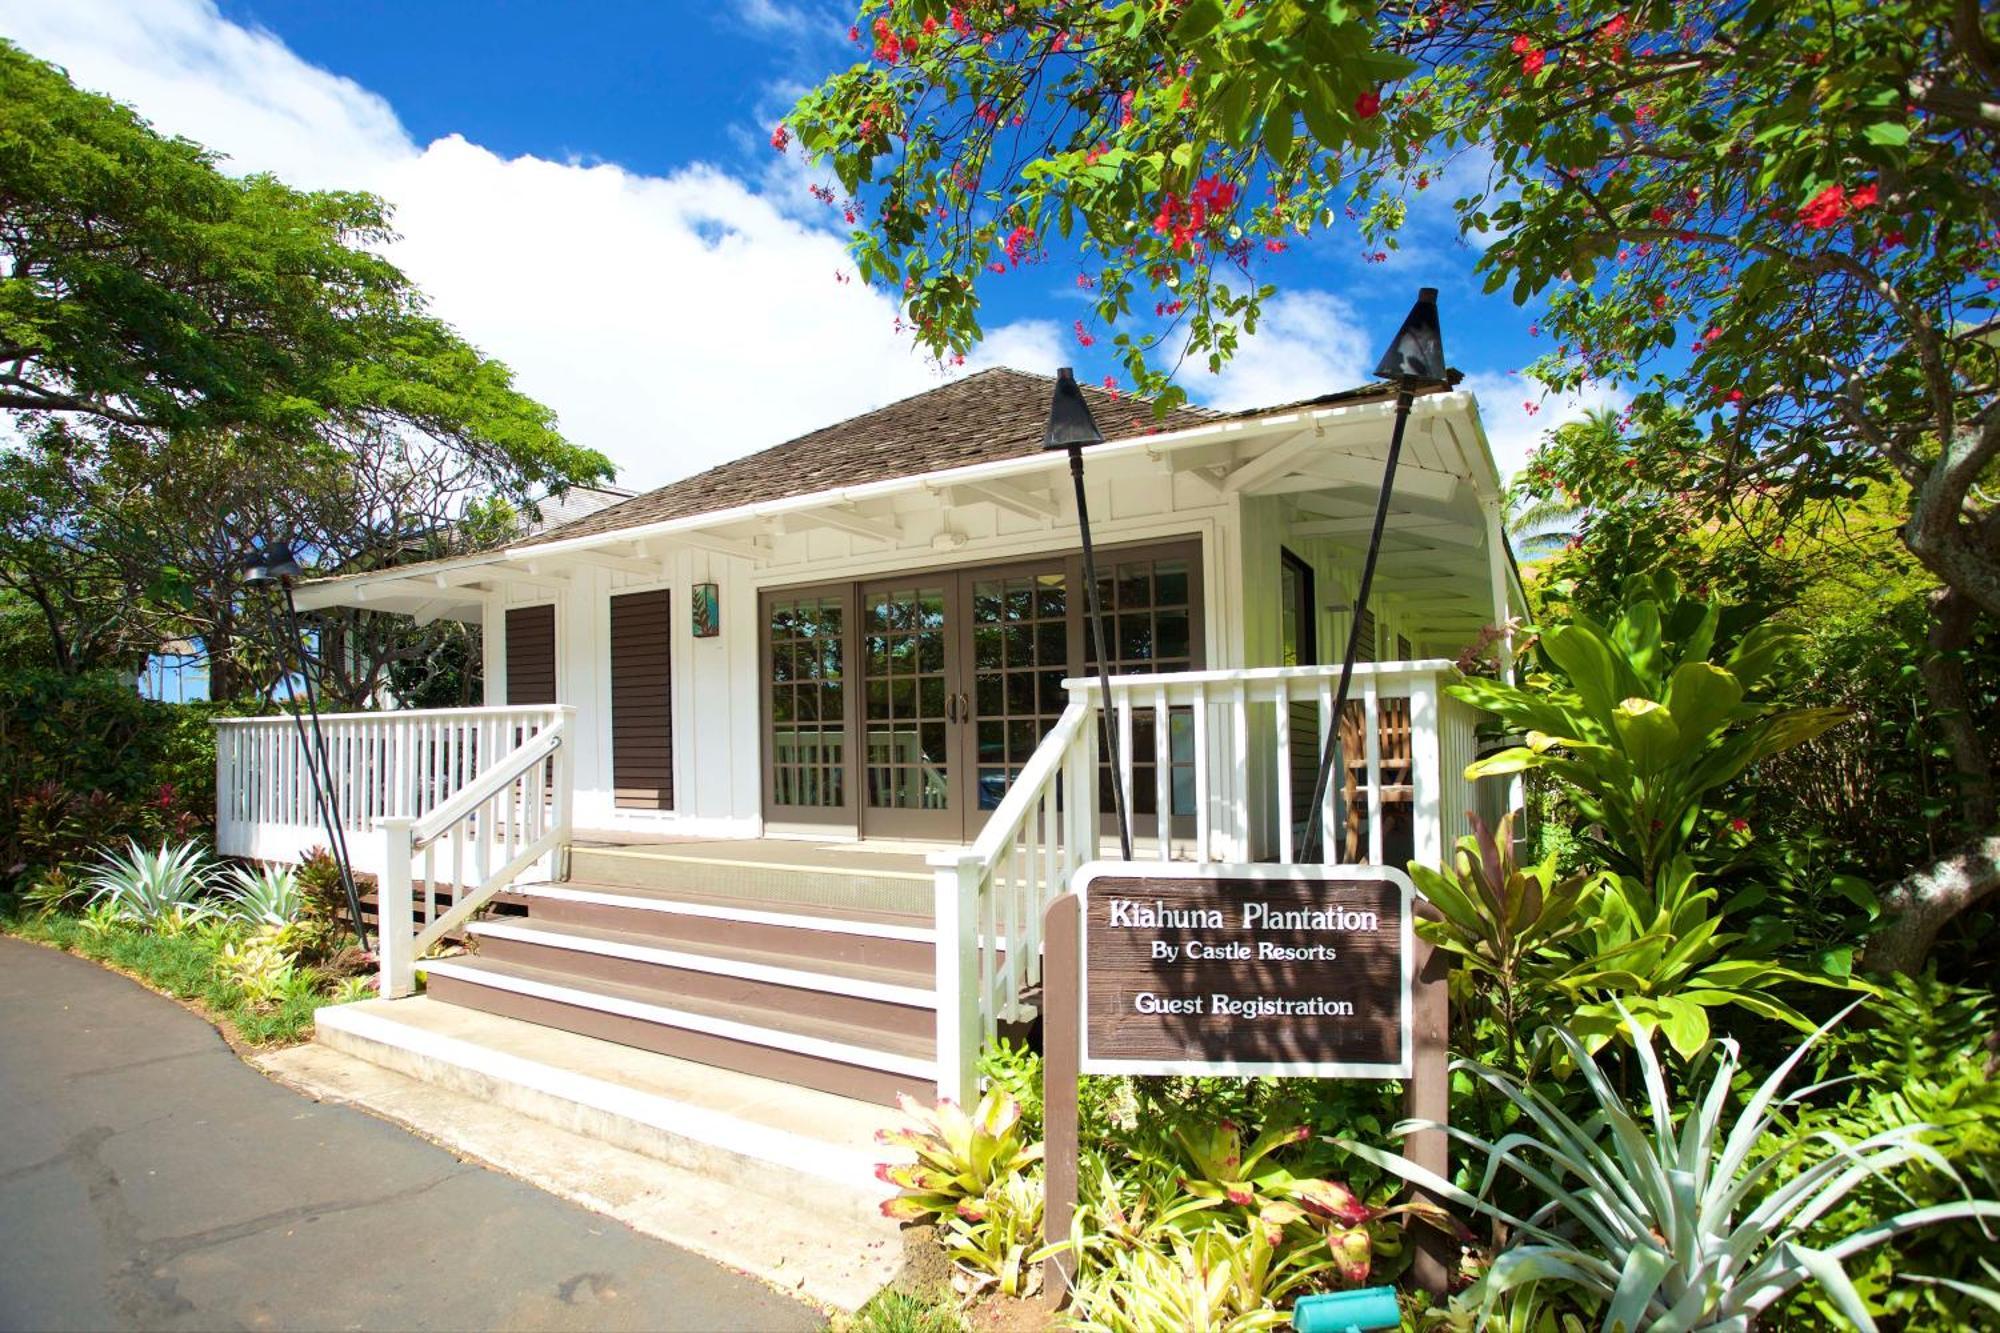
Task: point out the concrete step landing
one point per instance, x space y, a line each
793 1167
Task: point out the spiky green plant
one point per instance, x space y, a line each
262 895
161 890
1675 1231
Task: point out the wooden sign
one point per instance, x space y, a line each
1241 970
1246 970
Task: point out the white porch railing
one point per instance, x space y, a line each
399 764
513 815
1229 782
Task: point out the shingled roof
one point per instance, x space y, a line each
983 418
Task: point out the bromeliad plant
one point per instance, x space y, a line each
1643 722
1699 1228
960 1159
1217 1277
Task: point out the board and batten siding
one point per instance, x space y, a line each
531 654
642 720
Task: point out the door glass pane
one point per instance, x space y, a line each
803 688
1149 619
1020 653
903 718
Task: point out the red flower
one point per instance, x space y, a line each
1864 197
1111 386
1083 338
1532 59
781 138
1825 208
1368 105
1736 395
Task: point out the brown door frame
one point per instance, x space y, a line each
963 819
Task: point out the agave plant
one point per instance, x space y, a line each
161 890
959 1158
1670 1231
262 895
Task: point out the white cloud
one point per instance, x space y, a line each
671 321
1513 429
1307 343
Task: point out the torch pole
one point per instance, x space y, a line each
1103 656
321 772
1311 849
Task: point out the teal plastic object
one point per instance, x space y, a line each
1342 1311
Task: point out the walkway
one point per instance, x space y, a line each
151 1180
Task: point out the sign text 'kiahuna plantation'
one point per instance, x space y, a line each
1246 970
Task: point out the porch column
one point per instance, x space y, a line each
1496 568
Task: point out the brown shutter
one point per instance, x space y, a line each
531 655
642 720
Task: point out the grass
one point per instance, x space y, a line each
183 966
894 1311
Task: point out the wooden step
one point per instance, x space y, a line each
804 1048
876 999
829 935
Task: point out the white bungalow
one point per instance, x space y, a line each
780 763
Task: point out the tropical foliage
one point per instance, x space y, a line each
1679 1217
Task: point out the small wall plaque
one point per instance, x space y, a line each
707 608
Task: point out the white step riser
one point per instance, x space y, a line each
799 978
762 1161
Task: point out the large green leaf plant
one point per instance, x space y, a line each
1645 718
1644 721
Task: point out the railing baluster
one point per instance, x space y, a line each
1239 804
1283 719
1331 833
1201 794
1163 771
1124 775
1371 721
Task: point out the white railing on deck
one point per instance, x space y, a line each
512 816
1238 752
398 764
990 896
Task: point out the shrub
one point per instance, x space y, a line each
90 763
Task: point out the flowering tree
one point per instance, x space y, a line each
1780 218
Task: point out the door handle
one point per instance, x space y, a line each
964 707
951 708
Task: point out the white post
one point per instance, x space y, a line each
563 798
956 926
1426 772
1496 569
394 902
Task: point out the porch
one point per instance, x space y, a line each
860 967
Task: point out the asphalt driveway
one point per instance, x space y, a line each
151 1180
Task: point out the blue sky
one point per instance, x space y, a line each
587 192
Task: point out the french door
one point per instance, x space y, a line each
904 706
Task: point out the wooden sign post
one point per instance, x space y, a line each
1238 970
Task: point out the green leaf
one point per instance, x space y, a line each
1197 21
1887 134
